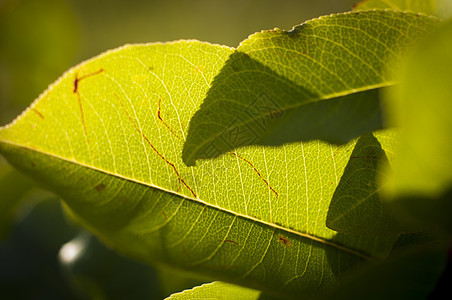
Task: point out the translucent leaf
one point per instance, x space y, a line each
360 210
320 80
440 8
108 137
422 179
217 290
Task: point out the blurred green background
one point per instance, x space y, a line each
39 40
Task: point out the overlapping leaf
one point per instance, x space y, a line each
108 138
320 80
356 206
422 179
217 290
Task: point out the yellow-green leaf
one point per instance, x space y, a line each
422 179
320 80
360 210
217 290
108 136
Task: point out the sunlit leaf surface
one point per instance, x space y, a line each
108 138
421 107
217 290
320 80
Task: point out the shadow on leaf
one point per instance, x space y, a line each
356 206
250 104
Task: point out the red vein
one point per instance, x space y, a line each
82 114
155 149
78 79
255 218
38 113
164 214
266 182
160 118
285 241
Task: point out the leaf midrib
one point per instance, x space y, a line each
269 224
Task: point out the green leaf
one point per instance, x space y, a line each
320 80
360 210
108 136
439 8
421 183
217 290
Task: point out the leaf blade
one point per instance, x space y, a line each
217 290
440 8
102 144
341 57
420 181
361 210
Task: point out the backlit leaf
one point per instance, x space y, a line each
108 138
440 8
217 290
356 206
421 183
320 80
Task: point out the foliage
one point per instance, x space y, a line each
271 166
